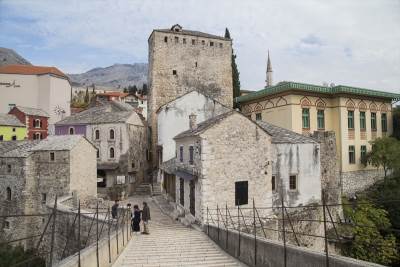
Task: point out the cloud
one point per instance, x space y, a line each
346 42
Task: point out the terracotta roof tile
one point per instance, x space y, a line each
31 70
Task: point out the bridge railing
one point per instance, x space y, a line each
65 232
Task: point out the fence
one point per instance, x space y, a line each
257 222
64 233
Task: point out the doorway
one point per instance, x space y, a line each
192 198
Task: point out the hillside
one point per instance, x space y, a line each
117 76
9 56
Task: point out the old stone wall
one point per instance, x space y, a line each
356 181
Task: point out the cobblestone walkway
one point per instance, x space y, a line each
171 244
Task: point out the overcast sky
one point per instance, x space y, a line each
347 42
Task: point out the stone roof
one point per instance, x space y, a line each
31 70
284 136
17 149
33 111
10 120
191 33
330 91
58 142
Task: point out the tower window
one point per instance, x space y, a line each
176 40
112 155
273 183
98 153
174 72
165 39
241 193
8 193
211 43
52 156
112 134
97 134
193 41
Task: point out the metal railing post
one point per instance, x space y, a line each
238 213
255 233
97 234
291 226
326 239
79 233
53 231
218 220
116 231
109 238
284 230
127 225
208 224
226 225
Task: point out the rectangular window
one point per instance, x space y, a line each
384 122
44 197
352 155
165 39
258 116
193 41
184 40
174 72
52 157
373 121
321 119
13 130
211 43
220 45
191 154
363 153
292 182
6 225
241 193
306 118
273 183
350 119
362 121
181 153
176 40
181 191
9 168
203 42
14 137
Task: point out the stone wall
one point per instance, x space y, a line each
353 182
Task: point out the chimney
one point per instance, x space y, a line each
192 121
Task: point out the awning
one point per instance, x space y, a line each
185 175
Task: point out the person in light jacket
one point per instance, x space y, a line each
145 218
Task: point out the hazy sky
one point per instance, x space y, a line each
346 42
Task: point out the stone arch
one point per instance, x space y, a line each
281 102
269 104
350 104
258 107
246 109
384 107
305 102
373 107
320 104
362 106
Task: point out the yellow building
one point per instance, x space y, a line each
356 115
11 128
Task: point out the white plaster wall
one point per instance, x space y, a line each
173 118
60 97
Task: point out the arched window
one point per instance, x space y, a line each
8 193
37 136
71 130
112 134
97 134
112 155
37 123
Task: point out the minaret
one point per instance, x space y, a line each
269 73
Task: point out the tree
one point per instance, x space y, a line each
132 89
125 90
10 256
87 97
235 73
144 89
385 153
396 122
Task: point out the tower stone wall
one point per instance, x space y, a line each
181 61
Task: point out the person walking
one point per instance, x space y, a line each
114 210
136 219
146 218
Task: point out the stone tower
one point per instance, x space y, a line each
269 73
181 61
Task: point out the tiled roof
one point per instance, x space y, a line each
33 111
10 120
339 89
58 142
31 70
281 135
116 94
17 149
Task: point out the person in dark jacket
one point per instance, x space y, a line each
114 210
146 218
136 219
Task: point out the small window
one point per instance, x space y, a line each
71 130
350 119
273 183
9 168
384 122
363 153
181 153
13 129
203 42
174 72
37 123
352 155
306 118
112 134
133 165
193 41
98 153
211 43
176 39
182 191
8 193
1 137
184 40
7 225
293 182
37 136
97 134
166 39
44 197
321 119
362 120
220 45
195 64
258 116
373 121
52 156
241 193
112 155
14 137
191 155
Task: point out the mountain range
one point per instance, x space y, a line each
9 56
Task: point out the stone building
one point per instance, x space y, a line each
40 87
181 61
11 128
33 172
176 114
119 134
356 115
35 120
220 163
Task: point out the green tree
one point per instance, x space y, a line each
369 228
396 122
87 97
10 256
235 73
385 153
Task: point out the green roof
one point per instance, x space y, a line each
339 89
